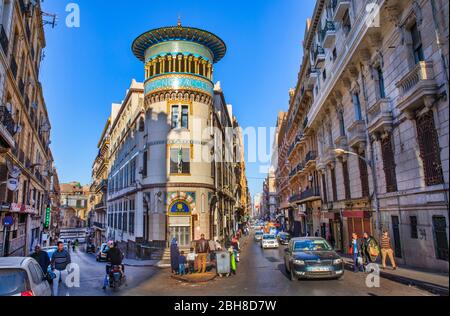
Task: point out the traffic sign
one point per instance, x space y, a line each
8 220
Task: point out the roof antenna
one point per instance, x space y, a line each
179 20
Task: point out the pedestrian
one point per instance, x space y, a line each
235 245
370 250
174 256
182 264
386 250
233 266
202 249
69 245
316 234
59 262
356 254
42 258
191 257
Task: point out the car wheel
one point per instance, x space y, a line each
292 275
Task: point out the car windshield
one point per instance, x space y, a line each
284 235
312 245
105 248
258 233
269 236
12 281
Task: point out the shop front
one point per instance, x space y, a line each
358 222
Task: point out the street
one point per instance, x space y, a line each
260 273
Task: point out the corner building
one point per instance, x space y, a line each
174 186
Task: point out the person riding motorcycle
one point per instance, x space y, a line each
114 257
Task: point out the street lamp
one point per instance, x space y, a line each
371 165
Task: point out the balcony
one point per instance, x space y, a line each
356 133
328 35
4 41
319 57
313 76
307 195
310 159
417 87
7 128
380 117
99 225
340 7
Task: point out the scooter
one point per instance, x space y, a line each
116 277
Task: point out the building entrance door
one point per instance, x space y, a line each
396 231
182 234
180 228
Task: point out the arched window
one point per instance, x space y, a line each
201 67
192 66
158 67
166 64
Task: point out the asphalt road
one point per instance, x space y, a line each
262 273
92 274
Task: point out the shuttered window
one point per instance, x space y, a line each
429 149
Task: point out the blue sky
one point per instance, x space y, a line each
86 69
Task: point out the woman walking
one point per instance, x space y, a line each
174 256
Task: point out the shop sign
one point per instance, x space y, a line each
22 208
12 184
47 217
179 208
356 214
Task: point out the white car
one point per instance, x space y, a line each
269 241
258 235
22 276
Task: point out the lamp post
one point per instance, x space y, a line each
371 165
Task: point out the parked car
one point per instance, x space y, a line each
258 236
284 238
22 276
102 252
269 241
312 258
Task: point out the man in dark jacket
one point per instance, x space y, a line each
114 257
41 257
202 249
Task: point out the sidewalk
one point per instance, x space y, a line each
436 283
142 263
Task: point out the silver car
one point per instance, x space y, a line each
22 276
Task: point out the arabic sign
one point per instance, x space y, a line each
47 217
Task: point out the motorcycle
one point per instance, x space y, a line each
116 277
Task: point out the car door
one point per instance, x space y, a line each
287 256
39 286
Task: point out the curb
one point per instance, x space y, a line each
193 281
429 287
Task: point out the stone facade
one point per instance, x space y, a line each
172 171
379 108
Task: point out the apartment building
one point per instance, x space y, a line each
373 91
26 163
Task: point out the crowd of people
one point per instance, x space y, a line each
204 251
367 250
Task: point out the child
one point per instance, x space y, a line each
233 260
182 264
191 260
